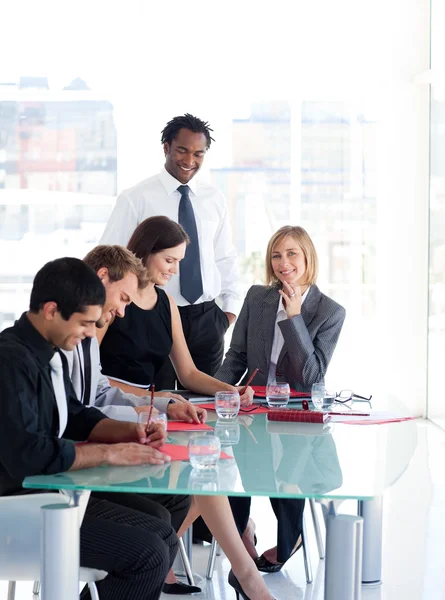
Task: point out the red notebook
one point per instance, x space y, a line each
298 416
260 392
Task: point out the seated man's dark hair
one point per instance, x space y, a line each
186 121
68 282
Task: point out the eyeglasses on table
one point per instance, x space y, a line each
348 395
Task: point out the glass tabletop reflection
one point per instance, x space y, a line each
333 461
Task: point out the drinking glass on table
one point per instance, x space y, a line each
277 395
204 451
227 404
317 394
328 399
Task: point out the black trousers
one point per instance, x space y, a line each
204 327
169 508
136 549
289 514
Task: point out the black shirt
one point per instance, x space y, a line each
29 420
137 346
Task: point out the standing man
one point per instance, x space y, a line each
41 417
209 269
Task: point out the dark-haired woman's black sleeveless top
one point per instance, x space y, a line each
135 347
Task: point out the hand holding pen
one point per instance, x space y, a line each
246 393
154 432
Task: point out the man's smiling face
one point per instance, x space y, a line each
185 155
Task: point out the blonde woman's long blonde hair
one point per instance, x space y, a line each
303 239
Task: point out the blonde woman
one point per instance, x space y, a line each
288 329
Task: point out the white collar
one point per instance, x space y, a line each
171 184
281 305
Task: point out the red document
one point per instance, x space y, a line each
173 426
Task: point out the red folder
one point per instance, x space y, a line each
174 426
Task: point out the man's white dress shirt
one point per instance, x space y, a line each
112 401
278 339
158 195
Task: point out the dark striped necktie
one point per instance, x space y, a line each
190 268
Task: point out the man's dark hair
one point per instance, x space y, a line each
154 235
186 121
68 282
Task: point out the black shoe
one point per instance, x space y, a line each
233 581
266 566
179 588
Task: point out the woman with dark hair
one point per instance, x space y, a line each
136 346
134 349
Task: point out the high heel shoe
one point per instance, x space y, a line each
265 566
233 581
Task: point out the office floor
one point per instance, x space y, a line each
413 539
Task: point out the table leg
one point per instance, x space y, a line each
344 536
371 511
60 551
60 547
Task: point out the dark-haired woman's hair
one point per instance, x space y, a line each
154 235
68 282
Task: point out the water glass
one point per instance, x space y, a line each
328 399
277 395
228 431
204 451
227 404
317 395
155 418
201 480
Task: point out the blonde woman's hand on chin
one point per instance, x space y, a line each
292 299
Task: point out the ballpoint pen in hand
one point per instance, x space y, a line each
152 389
249 381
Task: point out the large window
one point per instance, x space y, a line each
436 339
315 124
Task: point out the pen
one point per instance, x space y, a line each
152 388
249 381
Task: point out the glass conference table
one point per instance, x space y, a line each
286 460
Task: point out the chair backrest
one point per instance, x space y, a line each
20 534
20 537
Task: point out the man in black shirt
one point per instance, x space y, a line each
36 430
